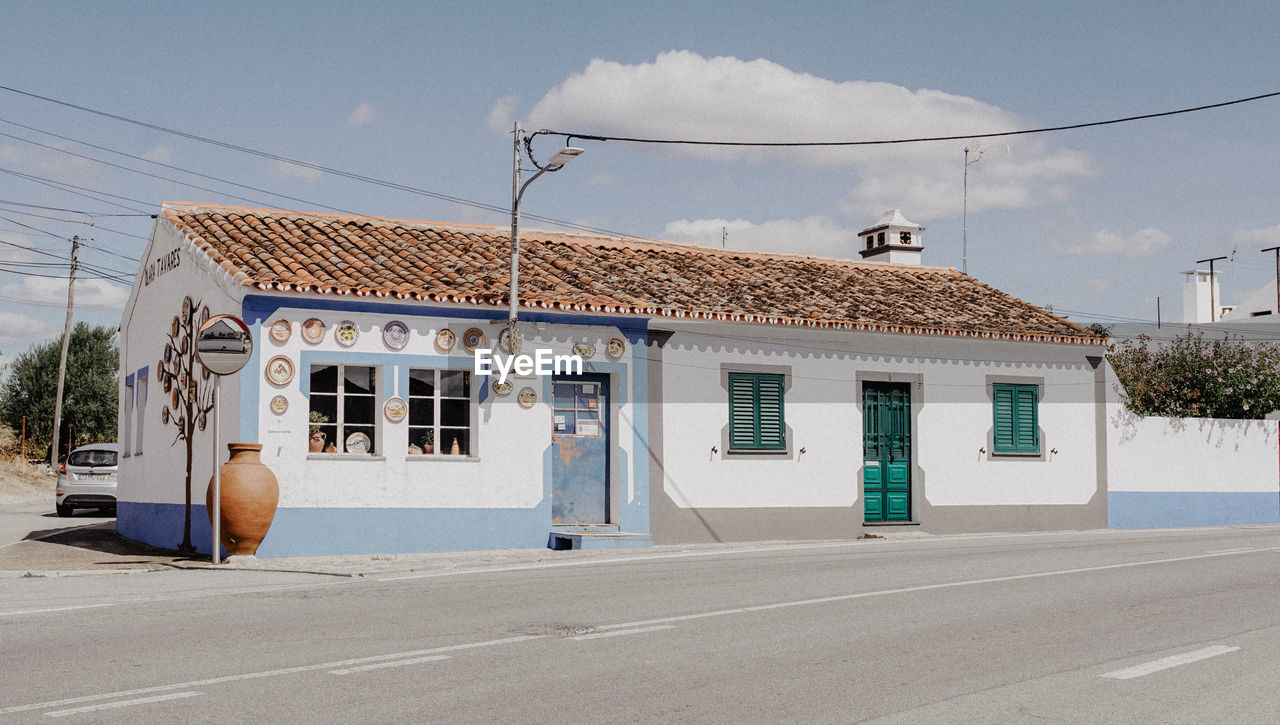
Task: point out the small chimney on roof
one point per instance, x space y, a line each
892 240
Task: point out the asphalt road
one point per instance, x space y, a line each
1178 626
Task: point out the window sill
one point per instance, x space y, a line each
757 452
1036 454
442 457
344 457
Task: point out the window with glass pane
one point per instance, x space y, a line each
576 409
439 412
343 408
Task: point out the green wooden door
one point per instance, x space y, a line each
886 446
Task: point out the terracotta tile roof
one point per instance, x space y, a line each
430 261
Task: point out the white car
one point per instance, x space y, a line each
87 479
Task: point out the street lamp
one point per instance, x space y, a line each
555 163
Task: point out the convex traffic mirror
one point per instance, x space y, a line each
223 344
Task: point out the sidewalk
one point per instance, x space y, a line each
86 547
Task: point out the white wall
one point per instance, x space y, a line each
821 409
169 272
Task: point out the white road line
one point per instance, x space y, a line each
384 665
910 590
620 632
1166 663
268 673
121 703
55 609
1230 551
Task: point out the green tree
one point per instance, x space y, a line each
91 390
1192 377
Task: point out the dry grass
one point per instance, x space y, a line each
20 481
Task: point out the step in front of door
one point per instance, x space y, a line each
574 538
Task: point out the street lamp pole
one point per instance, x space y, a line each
555 163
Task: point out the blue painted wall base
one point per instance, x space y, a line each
1166 509
351 531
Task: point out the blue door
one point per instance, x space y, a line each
886 446
580 450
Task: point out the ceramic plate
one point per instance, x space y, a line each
472 339
281 330
445 339
279 370
313 330
201 421
584 350
503 388
279 404
509 343
528 396
616 347
395 335
357 443
186 308
174 328
346 333
204 315
164 416
395 409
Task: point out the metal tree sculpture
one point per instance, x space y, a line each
190 397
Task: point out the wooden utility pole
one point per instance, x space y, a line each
1277 251
1213 314
66 341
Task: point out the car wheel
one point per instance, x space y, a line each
64 511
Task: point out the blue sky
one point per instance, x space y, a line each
1097 222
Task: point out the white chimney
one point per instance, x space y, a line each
892 240
1198 300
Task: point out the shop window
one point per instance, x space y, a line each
126 418
140 409
756 421
440 412
343 409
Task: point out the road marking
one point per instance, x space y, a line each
55 609
620 632
121 703
268 673
384 665
1230 551
920 588
1166 663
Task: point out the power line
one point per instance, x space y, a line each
68 188
325 169
921 139
69 211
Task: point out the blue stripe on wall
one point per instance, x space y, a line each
352 531
1167 509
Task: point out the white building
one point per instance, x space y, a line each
727 395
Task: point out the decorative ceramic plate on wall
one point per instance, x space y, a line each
175 326
279 404
186 308
279 370
445 339
357 443
616 347
395 409
472 339
527 398
346 333
395 335
510 343
204 315
313 330
281 330
584 350
502 388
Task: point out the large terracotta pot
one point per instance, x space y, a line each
250 494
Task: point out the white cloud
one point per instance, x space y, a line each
813 235
160 154
18 332
45 291
1265 237
364 115
686 96
1144 243
286 170
502 116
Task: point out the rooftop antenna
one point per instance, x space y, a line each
724 237
978 151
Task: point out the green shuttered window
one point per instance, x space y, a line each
1017 425
756 421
